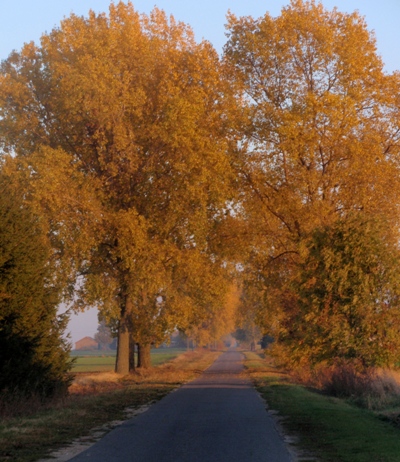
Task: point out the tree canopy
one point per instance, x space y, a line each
319 141
137 110
161 172
321 137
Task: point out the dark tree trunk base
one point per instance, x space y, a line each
144 359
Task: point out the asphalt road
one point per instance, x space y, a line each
218 417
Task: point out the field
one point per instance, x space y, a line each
100 361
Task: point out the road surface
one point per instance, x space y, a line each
218 417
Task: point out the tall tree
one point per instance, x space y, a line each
139 109
319 137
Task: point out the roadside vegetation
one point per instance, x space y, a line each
96 401
325 427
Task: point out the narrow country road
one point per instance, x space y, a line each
218 417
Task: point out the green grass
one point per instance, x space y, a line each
100 361
75 353
163 355
94 364
329 428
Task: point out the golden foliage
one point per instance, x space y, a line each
125 115
321 140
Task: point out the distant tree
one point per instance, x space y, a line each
247 332
216 318
266 341
248 335
113 344
34 356
103 336
178 339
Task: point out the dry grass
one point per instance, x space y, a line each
175 372
257 365
371 388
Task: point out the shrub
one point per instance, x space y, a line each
371 388
34 357
344 302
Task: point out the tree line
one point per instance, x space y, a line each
163 183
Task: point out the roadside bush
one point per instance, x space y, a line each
371 388
344 302
34 357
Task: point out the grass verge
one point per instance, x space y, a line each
95 400
330 429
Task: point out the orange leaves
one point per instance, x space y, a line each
320 108
128 123
321 142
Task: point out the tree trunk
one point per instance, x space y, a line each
132 361
144 359
122 362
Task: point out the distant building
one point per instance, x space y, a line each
86 343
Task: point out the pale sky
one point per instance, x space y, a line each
23 21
